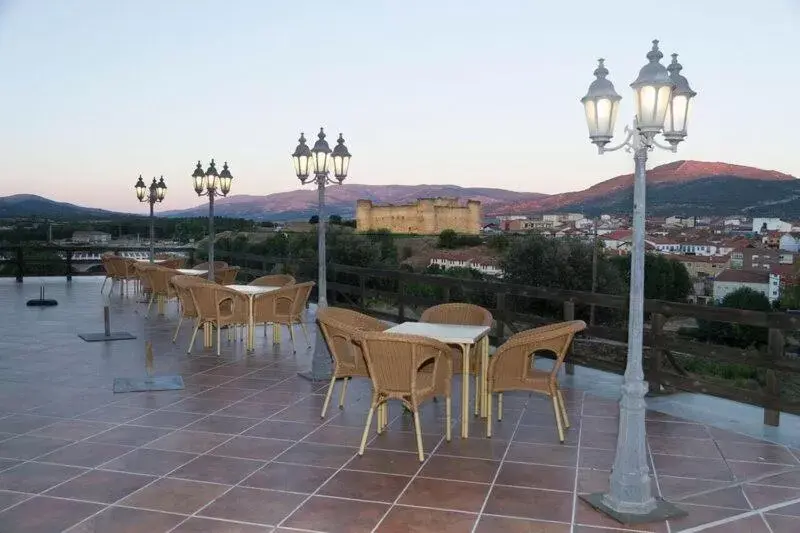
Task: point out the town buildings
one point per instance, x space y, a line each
729 281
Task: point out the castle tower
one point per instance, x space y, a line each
474 216
363 215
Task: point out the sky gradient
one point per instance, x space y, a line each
473 93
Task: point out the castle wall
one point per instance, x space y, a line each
426 216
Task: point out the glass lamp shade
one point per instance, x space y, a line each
301 158
320 153
199 179
652 92
161 189
224 180
679 106
141 189
601 105
212 177
341 159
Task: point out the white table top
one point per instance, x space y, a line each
192 271
446 333
147 261
253 290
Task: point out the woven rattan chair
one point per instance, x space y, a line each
171 261
226 275
342 330
274 280
205 266
159 281
217 306
181 285
466 315
394 362
284 307
119 269
511 368
110 267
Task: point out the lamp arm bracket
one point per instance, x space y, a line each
671 148
624 144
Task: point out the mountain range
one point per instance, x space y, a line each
677 188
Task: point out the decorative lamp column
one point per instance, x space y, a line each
661 99
152 195
211 184
319 160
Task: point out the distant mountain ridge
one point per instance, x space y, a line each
23 205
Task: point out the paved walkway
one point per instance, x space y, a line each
243 448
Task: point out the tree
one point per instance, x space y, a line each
335 220
664 278
314 219
448 239
737 334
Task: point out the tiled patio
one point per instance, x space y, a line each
243 448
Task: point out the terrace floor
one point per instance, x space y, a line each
243 450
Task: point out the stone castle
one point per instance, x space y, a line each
426 216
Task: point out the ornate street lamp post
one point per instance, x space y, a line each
662 99
211 184
152 195
319 160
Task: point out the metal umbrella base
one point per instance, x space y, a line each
662 511
146 384
107 335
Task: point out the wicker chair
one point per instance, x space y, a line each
205 266
169 261
110 266
394 362
159 281
342 330
181 285
274 280
119 269
217 306
467 315
511 368
226 275
284 307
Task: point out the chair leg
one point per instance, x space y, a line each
379 424
177 329
194 334
564 416
448 408
291 337
488 415
305 334
103 286
366 430
219 339
499 406
343 392
558 419
418 431
477 393
328 396
149 305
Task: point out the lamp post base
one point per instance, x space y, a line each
662 511
320 361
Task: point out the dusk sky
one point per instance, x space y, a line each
469 92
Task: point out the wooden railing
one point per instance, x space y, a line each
400 295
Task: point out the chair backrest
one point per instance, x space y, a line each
182 285
160 277
394 361
225 275
300 297
212 301
172 262
457 313
204 266
513 358
274 280
343 330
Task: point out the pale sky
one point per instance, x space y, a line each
469 92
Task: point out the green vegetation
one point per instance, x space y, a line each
449 239
737 334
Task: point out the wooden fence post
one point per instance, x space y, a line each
20 264
657 321
772 417
569 314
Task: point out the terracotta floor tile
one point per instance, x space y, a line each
444 494
215 469
676 429
318 455
732 497
557 454
750 524
167 419
720 435
591 480
386 461
402 441
764 495
496 524
208 525
19 424
684 446
7 499
530 503
252 448
89 454
712 469
72 429
699 514
230 371
223 424
413 520
787 479
676 488
596 459
476 448
537 476
130 435
336 516
198 405
189 441
365 486
45 515
5 464
788 510
587 516
101 486
249 409
225 394
744 470
25 447
250 383
763 453
258 506
460 469
339 435
114 414
291 478
123 520
278 397
281 430
782 524
147 461
154 400
36 477
175 495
